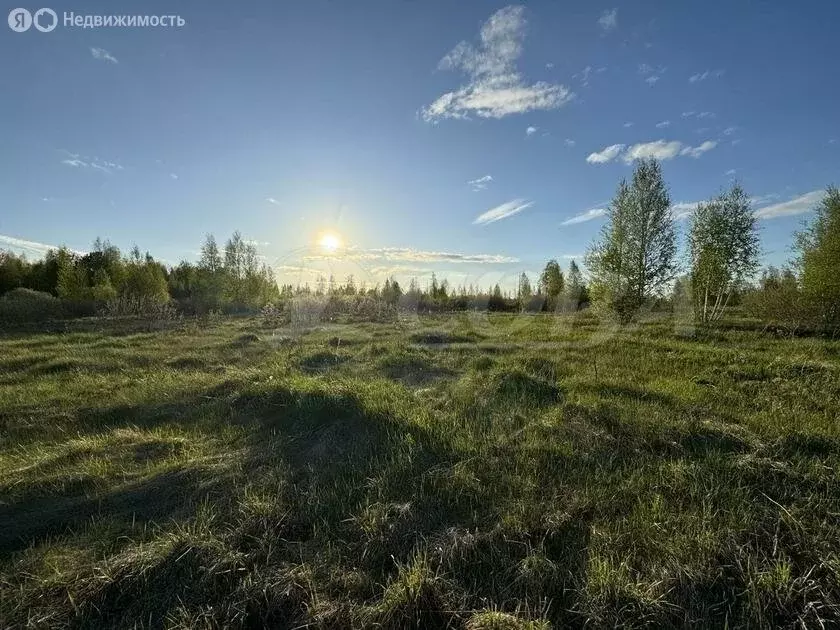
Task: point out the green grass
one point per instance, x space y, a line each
455 471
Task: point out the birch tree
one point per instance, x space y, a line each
724 250
636 255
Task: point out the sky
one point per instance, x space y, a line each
475 140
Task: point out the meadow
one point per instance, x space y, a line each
462 471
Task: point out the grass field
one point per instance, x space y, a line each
451 471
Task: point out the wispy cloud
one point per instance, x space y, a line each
79 161
569 142
663 124
173 176
684 209
729 131
530 131
588 215
31 247
495 88
272 201
698 115
627 125
408 254
706 74
658 149
730 172
480 183
798 205
699 150
503 211
608 154
651 74
583 75
608 20
104 55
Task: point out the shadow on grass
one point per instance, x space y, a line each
167 495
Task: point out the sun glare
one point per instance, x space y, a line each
329 241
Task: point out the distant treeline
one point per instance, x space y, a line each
233 279
633 267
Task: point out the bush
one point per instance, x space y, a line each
26 305
139 306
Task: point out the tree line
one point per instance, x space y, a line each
635 263
633 266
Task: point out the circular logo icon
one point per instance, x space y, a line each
20 20
45 20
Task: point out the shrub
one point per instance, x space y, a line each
26 305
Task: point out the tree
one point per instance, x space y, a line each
210 259
636 255
819 261
575 290
551 283
724 250
524 290
71 281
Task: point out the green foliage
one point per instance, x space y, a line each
778 301
819 260
551 284
724 249
25 305
636 255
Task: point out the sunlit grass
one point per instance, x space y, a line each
502 471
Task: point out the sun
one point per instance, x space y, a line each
329 241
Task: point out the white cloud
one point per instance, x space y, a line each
79 161
608 20
173 176
684 209
32 247
583 75
799 205
104 55
588 215
706 74
503 211
663 124
495 88
729 131
272 201
659 149
730 172
480 183
606 155
530 131
549 66
628 125
569 142
408 254
652 74
697 151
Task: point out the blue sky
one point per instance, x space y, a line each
474 139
